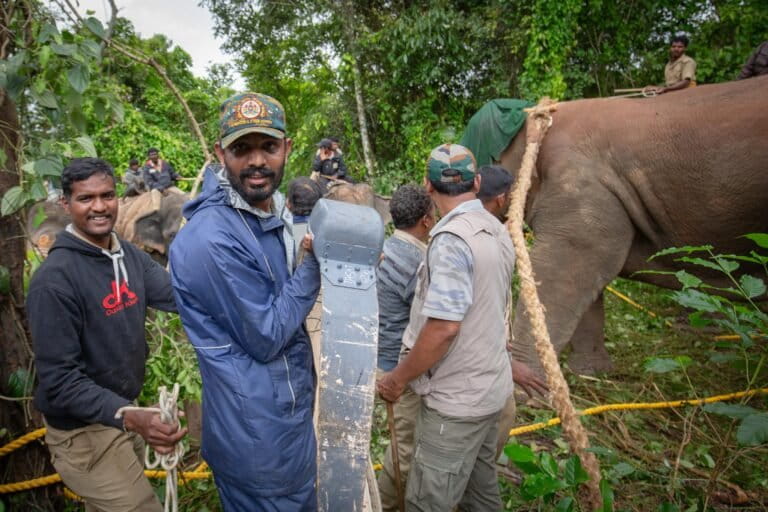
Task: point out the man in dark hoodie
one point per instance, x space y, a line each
86 306
243 302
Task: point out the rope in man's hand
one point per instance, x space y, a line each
169 414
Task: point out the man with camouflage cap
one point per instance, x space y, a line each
243 303
454 352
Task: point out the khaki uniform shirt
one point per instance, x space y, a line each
682 68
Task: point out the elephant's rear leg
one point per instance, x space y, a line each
588 355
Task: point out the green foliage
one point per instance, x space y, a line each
20 383
733 311
547 479
48 75
171 359
551 41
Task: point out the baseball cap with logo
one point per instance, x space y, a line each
250 112
454 158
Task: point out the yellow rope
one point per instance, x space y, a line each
637 406
18 443
525 429
635 304
628 300
55 478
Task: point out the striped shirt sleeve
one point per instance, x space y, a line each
449 294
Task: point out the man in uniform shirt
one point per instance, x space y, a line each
680 71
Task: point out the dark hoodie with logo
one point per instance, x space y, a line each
86 308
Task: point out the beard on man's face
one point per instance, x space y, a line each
254 194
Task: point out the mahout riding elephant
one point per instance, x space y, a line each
617 180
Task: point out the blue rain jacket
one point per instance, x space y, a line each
244 313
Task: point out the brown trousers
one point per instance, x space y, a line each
104 466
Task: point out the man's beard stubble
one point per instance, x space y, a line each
253 196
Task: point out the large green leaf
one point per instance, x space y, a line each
621 470
695 299
752 286
86 143
701 262
19 383
760 239
91 48
65 50
78 77
48 166
687 280
37 190
48 32
14 198
45 99
753 430
519 453
574 474
686 249
735 411
95 26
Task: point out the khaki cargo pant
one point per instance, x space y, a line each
103 465
406 412
454 464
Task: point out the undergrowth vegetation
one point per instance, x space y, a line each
682 346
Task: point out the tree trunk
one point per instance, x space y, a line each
16 416
348 12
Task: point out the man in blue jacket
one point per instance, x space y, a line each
243 305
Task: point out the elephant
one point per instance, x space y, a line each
150 221
618 180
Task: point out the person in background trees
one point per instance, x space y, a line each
243 303
133 180
680 71
455 342
757 63
87 304
328 165
413 214
496 195
158 174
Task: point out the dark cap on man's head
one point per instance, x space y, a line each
325 144
494 181
250 112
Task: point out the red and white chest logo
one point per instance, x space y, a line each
118 299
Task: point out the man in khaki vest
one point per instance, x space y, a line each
454 346
680 71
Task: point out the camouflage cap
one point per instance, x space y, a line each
451 157
250 112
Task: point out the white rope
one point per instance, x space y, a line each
169 413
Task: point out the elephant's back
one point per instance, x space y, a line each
694 161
